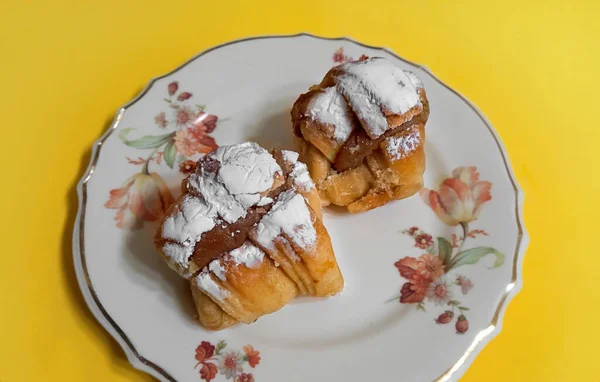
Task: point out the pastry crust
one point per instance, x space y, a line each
313 269
210 314
245 293
243 263
378 155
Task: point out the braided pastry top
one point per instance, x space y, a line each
361 133
233 190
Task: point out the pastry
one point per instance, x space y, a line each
247 234
361 132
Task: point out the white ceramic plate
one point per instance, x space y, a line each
367 332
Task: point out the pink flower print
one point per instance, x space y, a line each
143 197
209 121
462 324
201 131
439 291
430 266
186 142
184 116
338 55
161 120
184 96
445 317
230 364
423 241
172 88
252 355
460 198
464 283
245 377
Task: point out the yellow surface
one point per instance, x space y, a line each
66 66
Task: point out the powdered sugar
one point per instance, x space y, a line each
414 79
264 201
249 255
398 147
245 171
246 168
224 194
370 84
217 269
330 107
301 176
192 219
299 173
290 156
289 215
217 196
178 257
205 282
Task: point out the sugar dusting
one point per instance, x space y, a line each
290 156
247 254
330 107
205 282
289 215
414 79
193 217
399 147
217 269
178 257
299 173
370 84
246 170
301 176
264 201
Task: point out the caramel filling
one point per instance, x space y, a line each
360 145
225 237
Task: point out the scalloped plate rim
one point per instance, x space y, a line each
141 363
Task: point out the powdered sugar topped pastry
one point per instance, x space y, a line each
330 108
247 233
402 145
361 133
375 89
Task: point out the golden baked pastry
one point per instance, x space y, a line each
361 132
247 233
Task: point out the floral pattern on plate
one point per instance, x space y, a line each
213 358
114 297
145 196
340 58
458 202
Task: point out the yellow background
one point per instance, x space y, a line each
532 67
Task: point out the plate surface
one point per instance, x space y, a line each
427 278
